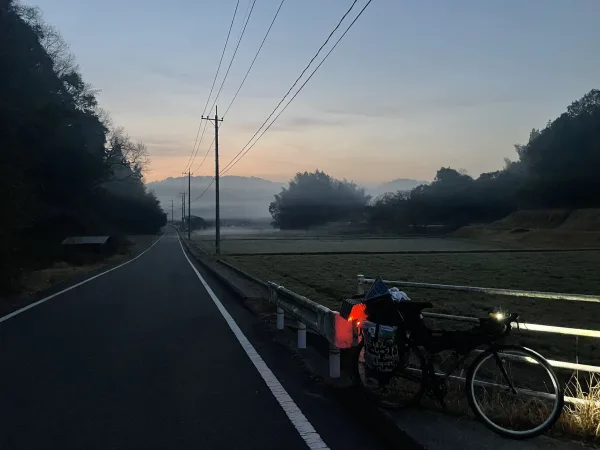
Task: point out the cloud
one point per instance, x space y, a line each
165 146
424 105
309 122
295 123
162 142
193 79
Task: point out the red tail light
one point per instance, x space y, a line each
357 313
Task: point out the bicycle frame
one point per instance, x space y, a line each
435 379
438 378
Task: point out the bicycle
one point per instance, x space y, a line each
528 397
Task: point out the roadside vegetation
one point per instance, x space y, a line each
582 418
555 169
65 167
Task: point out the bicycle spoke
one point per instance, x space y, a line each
515 392
504 374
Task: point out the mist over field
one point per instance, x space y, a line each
243 197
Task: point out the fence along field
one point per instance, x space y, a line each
329 278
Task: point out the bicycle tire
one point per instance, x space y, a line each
378 399
519 435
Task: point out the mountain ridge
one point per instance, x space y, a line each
241 197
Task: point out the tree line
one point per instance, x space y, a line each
65 167
556 168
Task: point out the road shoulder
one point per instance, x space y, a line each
12 304
339 414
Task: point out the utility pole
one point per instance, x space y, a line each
172 212
189 196
189 204
182 209
217 206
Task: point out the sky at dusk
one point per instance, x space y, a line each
415 85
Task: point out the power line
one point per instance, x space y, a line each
247 72
255 57
193 155
234 53
205 155
246 149
246 20
245 76
204 191
299 77
232 163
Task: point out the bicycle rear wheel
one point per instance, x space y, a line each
403 388
514 391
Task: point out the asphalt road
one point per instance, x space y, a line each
147 357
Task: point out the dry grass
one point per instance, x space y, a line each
40 280
564 219
582 220
583 418
43 279
580 420
543 218
552 228
515 412
532 239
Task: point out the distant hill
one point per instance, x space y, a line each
399 184
241 197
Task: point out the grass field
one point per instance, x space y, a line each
329 278
297 244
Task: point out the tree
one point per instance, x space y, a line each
315 198
56 161
557 168
563 160
392 212
124 159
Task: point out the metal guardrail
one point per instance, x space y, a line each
339 332
319 318
491 291
362 280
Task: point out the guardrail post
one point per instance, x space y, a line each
361 280
334 361
301 335
280 315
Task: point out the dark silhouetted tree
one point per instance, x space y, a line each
55 159
315 198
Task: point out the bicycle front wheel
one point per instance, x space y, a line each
514 391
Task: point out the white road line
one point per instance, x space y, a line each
298 419
39 302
